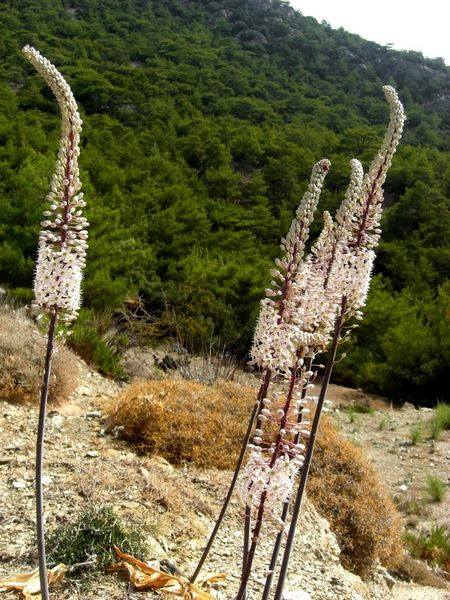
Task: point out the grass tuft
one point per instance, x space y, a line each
433 547
440 421
436 488
383 424
89 540
416 434
359 409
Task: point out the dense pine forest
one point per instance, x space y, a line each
201 122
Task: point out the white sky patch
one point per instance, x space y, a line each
408 25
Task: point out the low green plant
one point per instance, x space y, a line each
91 339
416 434
90 540
440 421
359 409
436 488
434 547
410 506
351 414
383 424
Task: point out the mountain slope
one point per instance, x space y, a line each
202 120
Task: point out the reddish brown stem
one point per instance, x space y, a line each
256 410
309 453
260 514
40 527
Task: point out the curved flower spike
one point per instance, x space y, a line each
366 219
62 241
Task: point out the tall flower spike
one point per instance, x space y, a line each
366 220
359 218
274 340
62 241
341 257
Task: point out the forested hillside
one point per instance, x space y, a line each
201 122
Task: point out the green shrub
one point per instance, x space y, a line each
440 421
436 488
91 539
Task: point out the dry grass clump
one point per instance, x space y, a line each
185 421
22 352
344 487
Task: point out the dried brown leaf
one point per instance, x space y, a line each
28 583
144 578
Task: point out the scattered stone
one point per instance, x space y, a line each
19 485
92 453
5 460
84 390
163 463
297 595
403 487
143 471
387 577
93 414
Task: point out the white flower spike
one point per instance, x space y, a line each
62 241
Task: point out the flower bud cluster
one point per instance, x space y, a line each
63 238
276 334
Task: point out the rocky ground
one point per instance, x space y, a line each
174 508
385 436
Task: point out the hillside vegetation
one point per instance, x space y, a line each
201 122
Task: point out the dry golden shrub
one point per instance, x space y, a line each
185 421
344 487
22 354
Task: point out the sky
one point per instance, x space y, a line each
408 25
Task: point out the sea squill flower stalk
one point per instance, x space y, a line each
312 317
276 312
356 234
275 348
61 258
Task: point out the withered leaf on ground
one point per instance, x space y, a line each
28 583
144 578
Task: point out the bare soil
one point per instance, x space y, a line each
385 436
